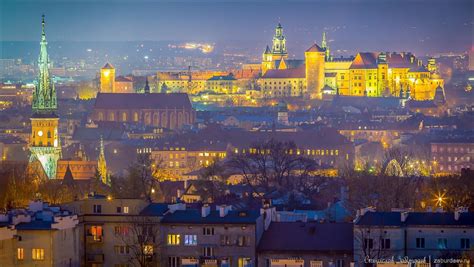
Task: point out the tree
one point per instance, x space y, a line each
140 182
140 237
275 165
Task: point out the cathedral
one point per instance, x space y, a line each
45 144
370 74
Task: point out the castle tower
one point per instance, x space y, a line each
107 79
315 60
44 140
102 165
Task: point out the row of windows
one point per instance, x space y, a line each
36 254
442 243
209 252
309 152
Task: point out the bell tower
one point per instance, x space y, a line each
44 140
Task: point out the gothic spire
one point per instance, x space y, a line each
101 164
323 42
44 96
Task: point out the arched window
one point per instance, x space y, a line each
156 119
101 116
49 134
135 116
124 116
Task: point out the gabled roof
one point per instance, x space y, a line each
286 73
267 50
365 60
307 237
142 101
108 66
315 48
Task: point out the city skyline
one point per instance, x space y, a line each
424 27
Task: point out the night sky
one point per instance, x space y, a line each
429 26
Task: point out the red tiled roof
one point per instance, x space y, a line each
286 73
141 101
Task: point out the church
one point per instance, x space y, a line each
370 74
171 111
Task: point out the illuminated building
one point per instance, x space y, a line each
123 85
107 79
368 74
177 161
44 142
80 167
450 156
222 84
471 59
191 82
272 57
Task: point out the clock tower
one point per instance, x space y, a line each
44 142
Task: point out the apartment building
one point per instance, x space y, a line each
108 231
40 235
306 244
424 236
211 237
450 156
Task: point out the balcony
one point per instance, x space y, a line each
95 258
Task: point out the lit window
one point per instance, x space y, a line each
20 254
190 240
174 240
125 209
37 254
96 233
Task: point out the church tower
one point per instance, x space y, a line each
101 164
107 79
44 140
279 44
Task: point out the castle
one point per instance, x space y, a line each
371 74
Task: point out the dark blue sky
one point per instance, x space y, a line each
428 26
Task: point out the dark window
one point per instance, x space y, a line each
97 208
385 243
465 243
368 243
420 242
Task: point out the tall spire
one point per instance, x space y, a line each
101 164
323 42
324 45
44 96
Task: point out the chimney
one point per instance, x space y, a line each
404 215
205 210
223 210
458 211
